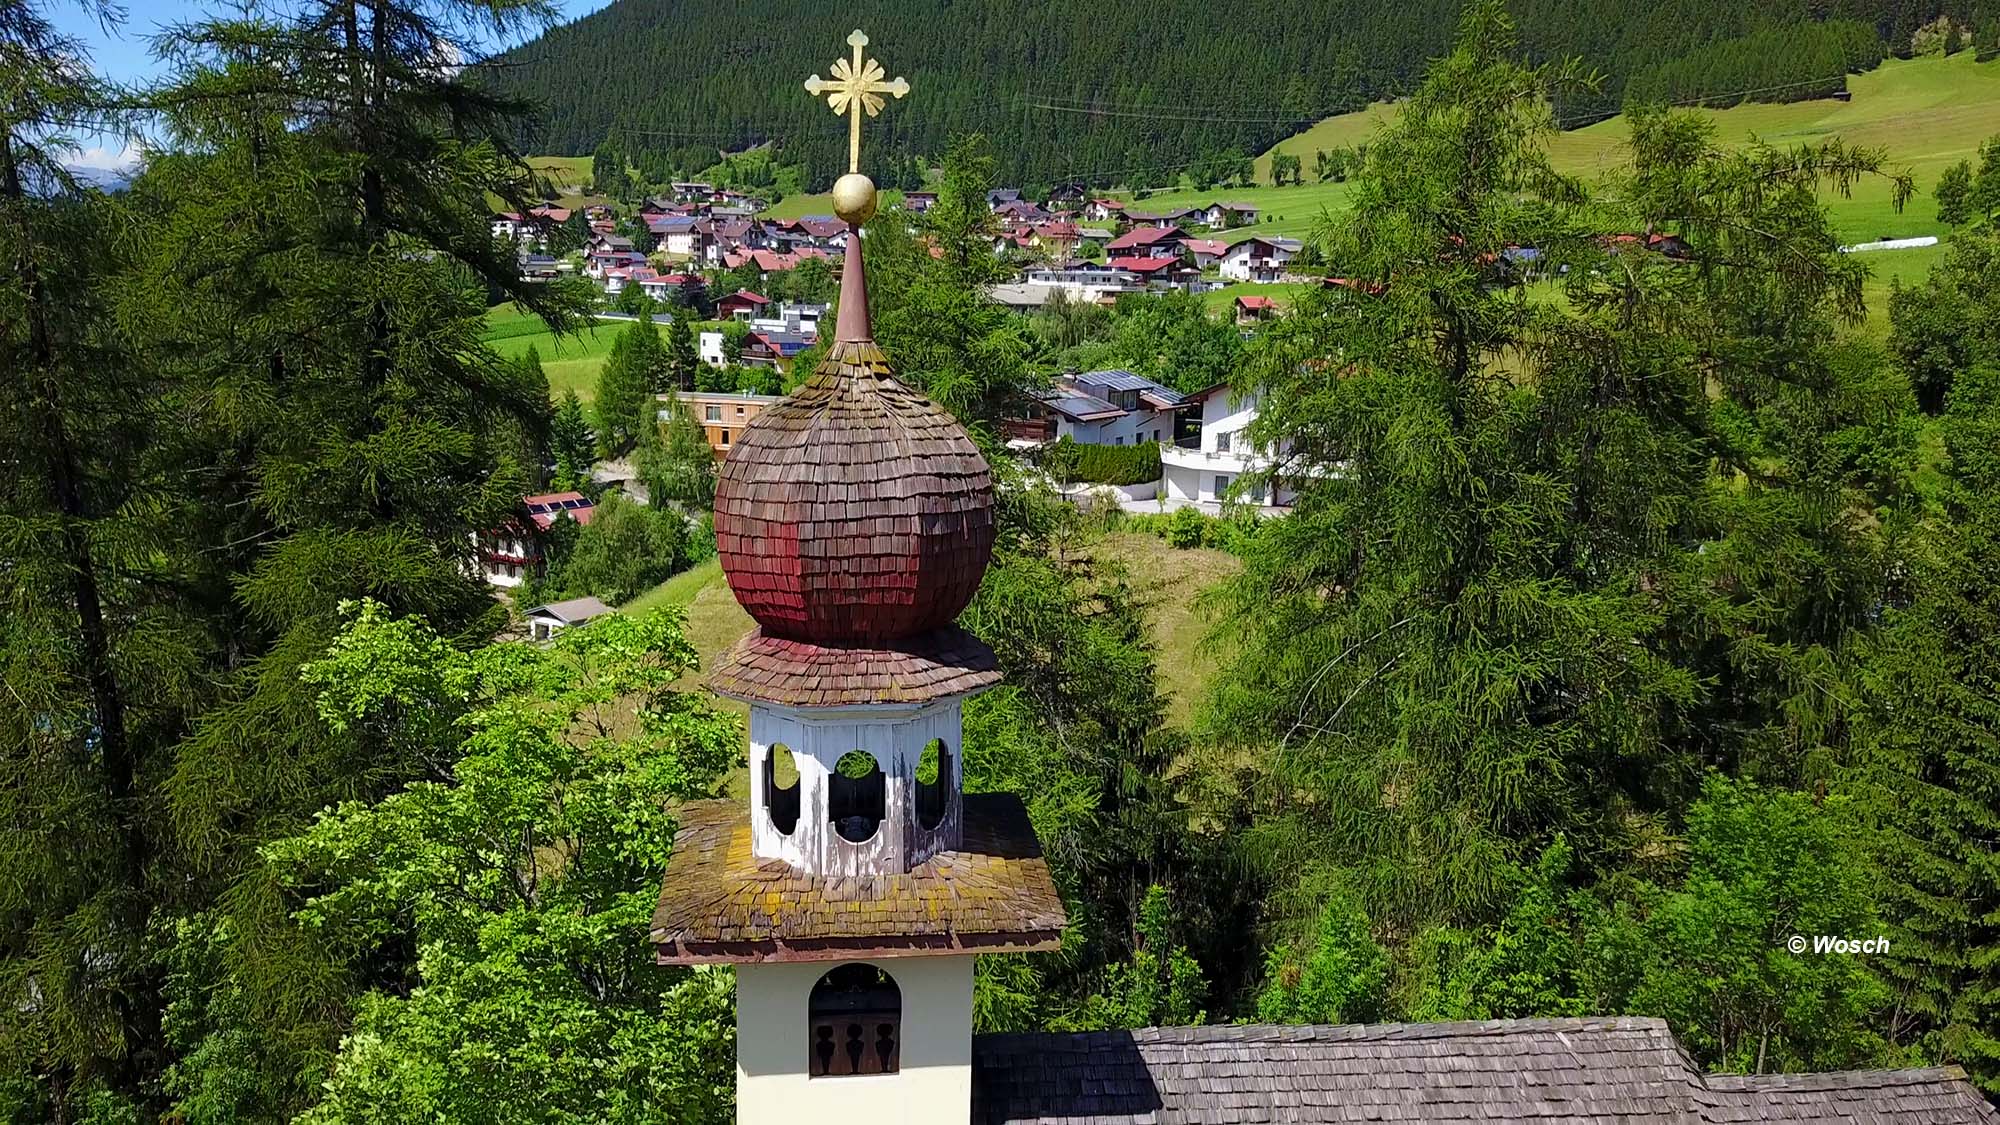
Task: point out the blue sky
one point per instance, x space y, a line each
121 54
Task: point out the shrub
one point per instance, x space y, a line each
1110 464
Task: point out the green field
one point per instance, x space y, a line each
572 361
1220 301
1925 114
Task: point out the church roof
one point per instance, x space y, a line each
1551 1072
718 903
937 665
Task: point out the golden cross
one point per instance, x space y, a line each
857 86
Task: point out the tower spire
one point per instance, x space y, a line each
856 88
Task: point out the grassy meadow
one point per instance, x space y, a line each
571 361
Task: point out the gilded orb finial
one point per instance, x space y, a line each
856 88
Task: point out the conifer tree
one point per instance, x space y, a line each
102 661
571 444
317 257
625 386
681 357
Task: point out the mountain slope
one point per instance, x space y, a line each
1163 82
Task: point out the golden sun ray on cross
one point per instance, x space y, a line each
856 87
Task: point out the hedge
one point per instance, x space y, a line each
1106 464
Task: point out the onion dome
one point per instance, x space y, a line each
856 512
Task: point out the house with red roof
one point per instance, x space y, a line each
1147 242
740 305
1104 210
1250 310
1205 251
1157 273
514 550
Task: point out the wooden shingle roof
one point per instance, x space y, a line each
718 903
856 511
1550 1072
923 669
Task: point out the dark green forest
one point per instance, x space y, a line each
1142 88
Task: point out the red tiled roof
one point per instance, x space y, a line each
1257 302
1214 246
1142 236
1142 265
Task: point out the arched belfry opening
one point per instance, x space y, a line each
855 1015
781 788
857 796
934 783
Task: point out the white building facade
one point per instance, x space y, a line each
1215 470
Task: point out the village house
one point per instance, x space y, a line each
665 287
1087 281
1159 274
1261 258
512 551
678 235
1104 210
740 305
998 197
918 202
1114 407
722 416
545 621
1221 215
1204 470
1251 309
1205 251
1147 242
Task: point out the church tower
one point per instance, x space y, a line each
854 521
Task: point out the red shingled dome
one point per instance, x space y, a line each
856 512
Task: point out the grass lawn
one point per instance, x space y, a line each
1908 266
1168 583
1925 114
1220 301
572 362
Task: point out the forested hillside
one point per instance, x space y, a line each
1106 94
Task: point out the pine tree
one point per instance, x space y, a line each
625 386
102 661
571 444
680 355
676 464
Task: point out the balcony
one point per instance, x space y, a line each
1231 461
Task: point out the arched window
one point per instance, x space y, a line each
856 1013
933 783
856 796
781 787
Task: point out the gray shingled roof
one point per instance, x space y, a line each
1578 1071
1119 379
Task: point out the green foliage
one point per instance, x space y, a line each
1188 527
1285 167
1954 194
1945 325
1160 986
572 444
1789 63
680 359
1712 955
632 374
676 463
933 314
626 549
1091 463
1985 198
1172 338
1338 978
1929 772
524 875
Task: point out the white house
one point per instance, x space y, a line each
545 621
1205 474
709 345
1085 281
1259 259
